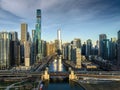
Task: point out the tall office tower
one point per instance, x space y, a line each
5 59
27 54
59 42
118 52
84 49
24 30
14 49
89 47
113 49
77 43
37 36
101 38
33 47
106 49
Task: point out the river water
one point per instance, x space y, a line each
57 83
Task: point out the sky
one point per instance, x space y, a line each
84 19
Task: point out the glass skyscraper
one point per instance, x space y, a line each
106 49
37 36
101 38
118 52
4 50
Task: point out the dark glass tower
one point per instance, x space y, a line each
118 51
37 36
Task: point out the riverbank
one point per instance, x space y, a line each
112 85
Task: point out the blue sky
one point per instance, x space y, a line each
84 19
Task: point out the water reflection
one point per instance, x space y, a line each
56 65
60 83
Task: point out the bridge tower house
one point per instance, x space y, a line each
45 75
72 75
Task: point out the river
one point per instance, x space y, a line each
59 83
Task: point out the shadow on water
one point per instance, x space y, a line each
61 84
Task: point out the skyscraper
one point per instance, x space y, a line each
50 48
14 36
106 49
77 43
14 49
5 59
44 47
37 37
24 31
89 47
101 38
56 45
78 58
59 42
118 52
27 53
65 50
84 49
33 33
113 49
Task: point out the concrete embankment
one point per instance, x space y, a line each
79 84
106 85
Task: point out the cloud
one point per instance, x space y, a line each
60 11
26 8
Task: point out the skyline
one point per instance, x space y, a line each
82 19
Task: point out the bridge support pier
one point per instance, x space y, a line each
72 76
45 75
